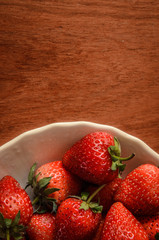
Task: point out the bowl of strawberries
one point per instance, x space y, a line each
77 181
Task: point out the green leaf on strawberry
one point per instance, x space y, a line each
42 201
50 190
84 196
11 228
31 176
84 205
87 201
115 152
44 182
157 236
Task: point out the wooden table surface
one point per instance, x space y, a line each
77 60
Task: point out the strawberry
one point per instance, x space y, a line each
114 185
120 224
139 191
52 183
98 233
151 225
15 208
42 226
95 158
105 196
78 218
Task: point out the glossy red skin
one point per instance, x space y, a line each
74 223
139 191
120 224
151 225
90 160
105 196
61 178
42 226
115 184
13 199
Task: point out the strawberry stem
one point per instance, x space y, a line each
86 202
8 234
115 152
95 193
35 201
121 158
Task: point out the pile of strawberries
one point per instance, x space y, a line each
83 197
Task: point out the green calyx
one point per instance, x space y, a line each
42 200
117 160
157 236
87 201
11 228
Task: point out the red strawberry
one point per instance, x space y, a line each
52 182
15 205
42 226
98 233
105 196
95 158
78 218
151 225
114 185
120 224
139 191
75 223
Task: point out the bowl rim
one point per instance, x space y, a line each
77 123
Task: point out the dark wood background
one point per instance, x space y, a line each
70 60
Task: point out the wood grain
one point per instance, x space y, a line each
80 60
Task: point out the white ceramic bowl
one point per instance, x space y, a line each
50 142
